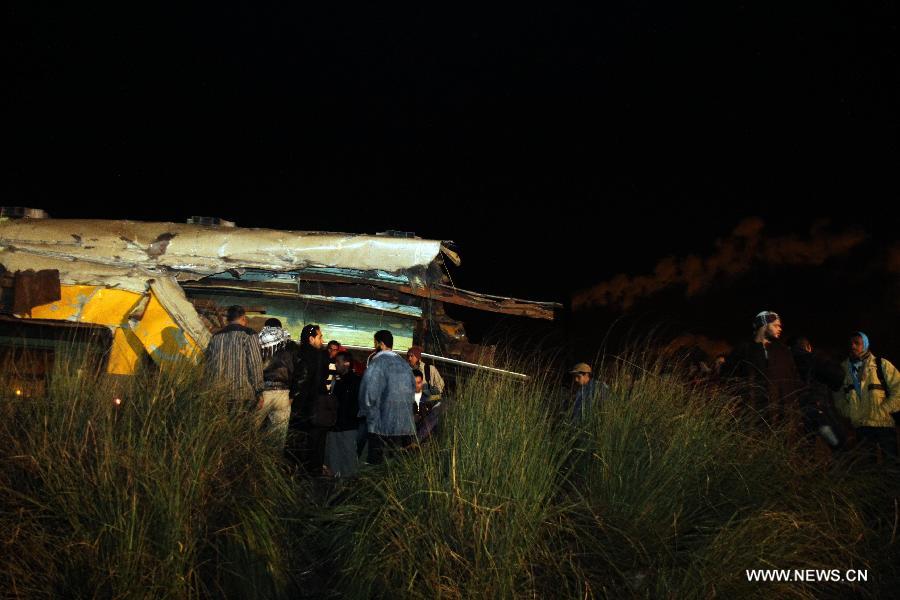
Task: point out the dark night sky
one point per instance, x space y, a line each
558 146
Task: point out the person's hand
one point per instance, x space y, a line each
259 402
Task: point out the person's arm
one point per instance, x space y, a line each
370 392
300 375
795 387
353 394
734 363
892 383
255 366
828 372
841 405
437 382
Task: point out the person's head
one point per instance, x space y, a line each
859 344
802 344
767 326
311 336
333 348
272 338
384 340
414 356
420 380
343 361
237 315
582 373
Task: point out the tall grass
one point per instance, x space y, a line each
465 516
666 489
681 491
169 493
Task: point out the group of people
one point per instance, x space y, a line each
798 388
325 409
330 412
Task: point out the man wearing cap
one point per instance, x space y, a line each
586 392
433 378
773 386
870 396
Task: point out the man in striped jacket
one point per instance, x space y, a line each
234 360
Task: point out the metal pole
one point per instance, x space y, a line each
453 361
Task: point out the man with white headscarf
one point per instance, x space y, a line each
280 355
870 396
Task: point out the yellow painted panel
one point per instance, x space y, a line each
156 332
122 356
163 339
89 304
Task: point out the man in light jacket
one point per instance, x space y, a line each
387 399
433 378
870 396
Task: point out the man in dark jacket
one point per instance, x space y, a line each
234 360
819 376
280 356
772 386
307 443
340 444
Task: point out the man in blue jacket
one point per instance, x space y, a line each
387 399
587 392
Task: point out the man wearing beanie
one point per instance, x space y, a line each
432 377
772 384
870 396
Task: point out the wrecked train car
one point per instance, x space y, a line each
157 291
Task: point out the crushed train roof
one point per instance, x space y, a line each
130 255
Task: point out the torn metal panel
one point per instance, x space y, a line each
498 304
451 255
344 322
437 292
208 250
328 294
314 274
32 288
163 336
311 289
78 272
174 300
373 305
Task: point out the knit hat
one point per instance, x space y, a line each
865 339
764 318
